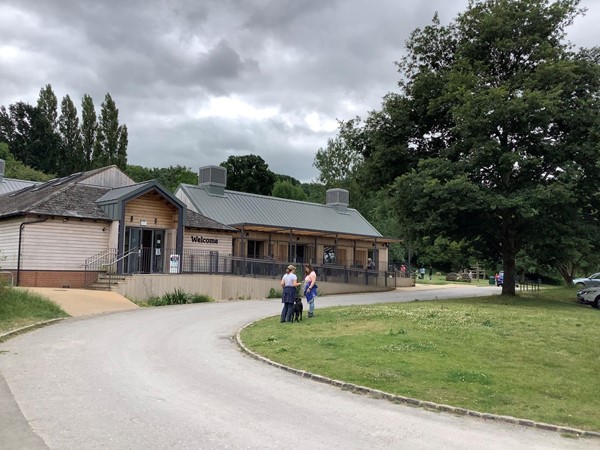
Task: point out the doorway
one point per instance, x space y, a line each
146 246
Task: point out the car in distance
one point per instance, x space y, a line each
592 280
589 296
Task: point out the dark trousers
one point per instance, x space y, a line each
287 312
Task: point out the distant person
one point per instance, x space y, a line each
289 282
422 272
310 288
370 264
403 270
430 272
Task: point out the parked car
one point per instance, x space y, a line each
589 296
592 280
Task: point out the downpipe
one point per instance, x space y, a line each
21 228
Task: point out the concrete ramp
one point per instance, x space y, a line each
83 302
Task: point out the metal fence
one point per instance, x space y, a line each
142 260
210 262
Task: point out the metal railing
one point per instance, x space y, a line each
99 263
210 262
144 260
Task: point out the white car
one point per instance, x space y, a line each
589 296
592 280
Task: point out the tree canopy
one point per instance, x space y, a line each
44 140
493 137
249 173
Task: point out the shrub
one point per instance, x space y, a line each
177 297
274 293
155 301
200 298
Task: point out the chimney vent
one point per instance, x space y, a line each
213 179
338 199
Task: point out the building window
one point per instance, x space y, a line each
255 249
329 255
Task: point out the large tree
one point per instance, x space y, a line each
30 136
505 120
72 159
249 173
106 148
89 129
47 105
492 140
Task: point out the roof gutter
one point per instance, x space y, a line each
21 227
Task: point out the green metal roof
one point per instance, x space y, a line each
263 213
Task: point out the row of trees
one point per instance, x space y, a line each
61 144
246 173
492 144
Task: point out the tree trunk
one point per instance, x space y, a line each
509 253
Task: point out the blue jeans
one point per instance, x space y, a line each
286 312
311 306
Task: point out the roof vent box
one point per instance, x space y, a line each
213 178
338 199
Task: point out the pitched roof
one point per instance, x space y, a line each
71 197
60 197
195 220
265 213
11 185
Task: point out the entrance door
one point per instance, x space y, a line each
147 245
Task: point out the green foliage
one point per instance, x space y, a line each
200 298
18 170
285 189
19 308
106 148
72 158
274 293
337 162
89 129
47 105
315 192
177 297
169 177
40 139
493 138
249 173
483 354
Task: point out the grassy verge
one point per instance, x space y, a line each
535 356
20 308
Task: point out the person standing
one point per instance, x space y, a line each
430 272
289 282
310 288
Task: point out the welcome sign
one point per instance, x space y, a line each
204 240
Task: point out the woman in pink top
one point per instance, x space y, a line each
310 288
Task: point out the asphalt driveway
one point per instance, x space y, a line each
173 377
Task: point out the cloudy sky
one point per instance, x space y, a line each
199 80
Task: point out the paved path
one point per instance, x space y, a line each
84 302
173 377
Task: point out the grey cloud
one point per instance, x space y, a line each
163 61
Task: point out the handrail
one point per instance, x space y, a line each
98 257
96 264
125 255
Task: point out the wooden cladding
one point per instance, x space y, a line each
153 209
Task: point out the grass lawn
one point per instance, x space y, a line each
535 356
20 308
